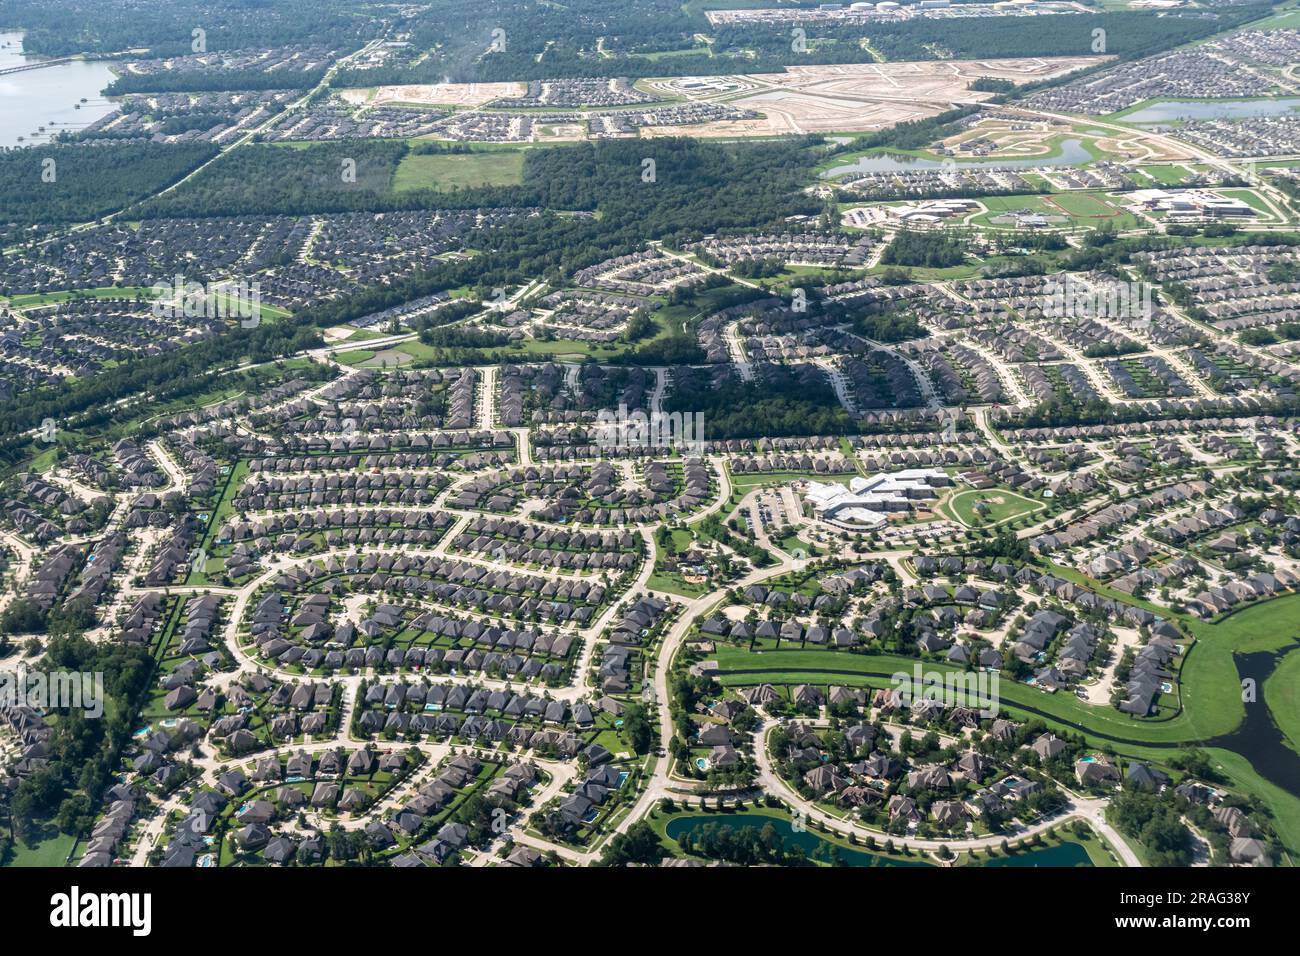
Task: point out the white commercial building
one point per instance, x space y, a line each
1191 202
868 502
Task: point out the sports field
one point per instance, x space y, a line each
990 506
1063 210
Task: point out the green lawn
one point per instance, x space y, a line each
52 850
1285 17
103 292
999 504
778 478
1251 198
219 515
1210 683
673 584
459 170
1000 205
1091 209
353 356
45 461
1170 174
1282 693
415 350
793 544
1079 208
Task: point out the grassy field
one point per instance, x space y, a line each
1168 174
1209 680
673 584
1000 205
1284 18
967 270
218 518
1251 198
1091 209
232 305
999 505
1080 209
414 351
104 292
1282 693
51 850
459 170
741 485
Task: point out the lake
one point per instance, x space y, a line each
47 97
1258 738
1065 854
805 839
1172 110
1070 153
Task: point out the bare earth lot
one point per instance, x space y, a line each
436 94
869 96
804 99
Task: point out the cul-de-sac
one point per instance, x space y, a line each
731 433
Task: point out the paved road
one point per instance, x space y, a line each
1076 807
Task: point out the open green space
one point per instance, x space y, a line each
1286 17
1282 692
1251 198
671 581
220 513
1092 209
1166 174
103 292
990 506
52 849
445 171
415 351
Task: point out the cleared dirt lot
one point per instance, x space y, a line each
946 80
863 96
436 94
857 97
